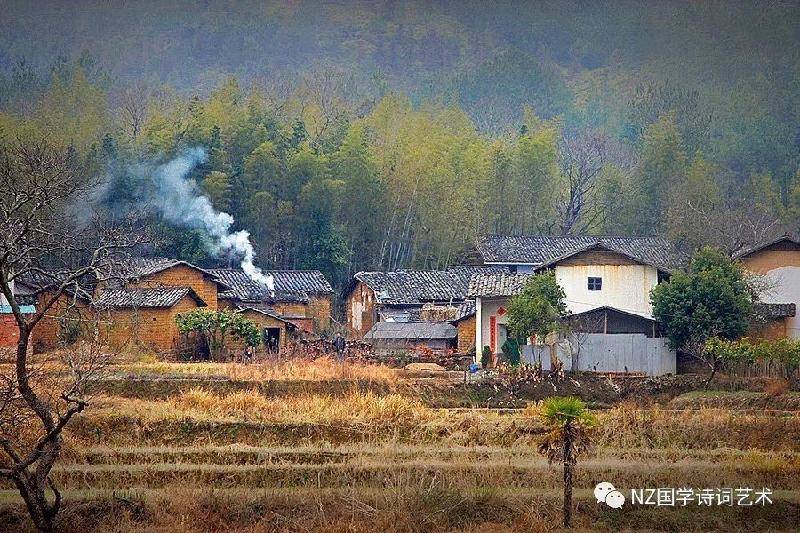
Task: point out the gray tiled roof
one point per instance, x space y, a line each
497 284
412 330
767 243
290 285
465 310
36 282
412 287
265 310
544 250
140 267
766 310
143 298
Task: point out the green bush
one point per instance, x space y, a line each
782 351
215 326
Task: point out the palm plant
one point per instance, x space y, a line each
568 422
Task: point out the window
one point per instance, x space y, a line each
595 284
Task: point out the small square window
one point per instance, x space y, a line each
595 284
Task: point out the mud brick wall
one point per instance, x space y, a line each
466 335
46 332
319 308
148 327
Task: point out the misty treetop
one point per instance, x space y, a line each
397 135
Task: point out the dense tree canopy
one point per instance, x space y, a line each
385 148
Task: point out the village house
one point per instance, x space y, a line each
9 332
403 296
141 297
606 281
66 316
275 329
778 260
398 337
135 302
399 296
138 300
301 297
144 316
427 296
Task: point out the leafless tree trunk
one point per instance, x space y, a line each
133 110
44 247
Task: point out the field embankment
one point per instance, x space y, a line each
344 448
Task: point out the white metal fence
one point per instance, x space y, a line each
597 352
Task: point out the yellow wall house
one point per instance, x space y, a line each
779 262
145 316
303 297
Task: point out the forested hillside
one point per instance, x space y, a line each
373 135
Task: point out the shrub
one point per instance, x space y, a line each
215 326
486 357
785 352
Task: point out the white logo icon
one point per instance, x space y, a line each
606 493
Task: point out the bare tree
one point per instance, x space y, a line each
732 226
133 106
334 95
43 244
581 158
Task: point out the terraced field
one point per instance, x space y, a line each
345 453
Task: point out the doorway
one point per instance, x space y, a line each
272 339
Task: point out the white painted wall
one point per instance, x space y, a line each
484 309
626 287
784 283
357 308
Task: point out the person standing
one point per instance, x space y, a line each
340 345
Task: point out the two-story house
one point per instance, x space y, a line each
606 280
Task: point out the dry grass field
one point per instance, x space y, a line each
312 446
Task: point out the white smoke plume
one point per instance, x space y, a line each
180 202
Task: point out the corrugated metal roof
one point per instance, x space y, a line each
412 331
543 250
